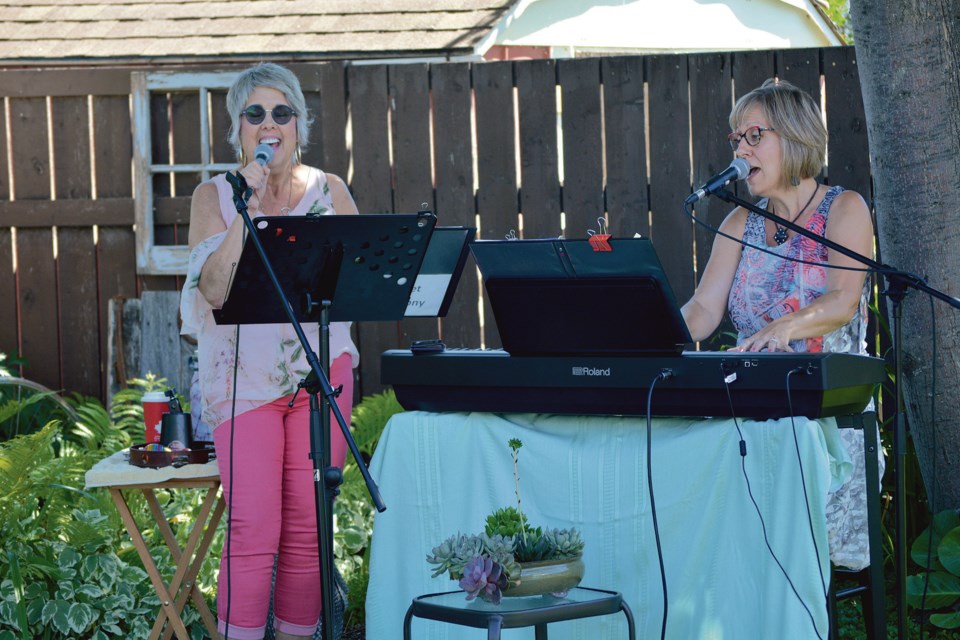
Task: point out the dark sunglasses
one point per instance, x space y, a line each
255 114
751 135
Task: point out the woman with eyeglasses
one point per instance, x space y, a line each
775 301
249 373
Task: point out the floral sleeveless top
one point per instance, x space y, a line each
767 286
271 360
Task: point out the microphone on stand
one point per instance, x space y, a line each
737 170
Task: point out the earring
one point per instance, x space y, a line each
243 158
795 181
298 155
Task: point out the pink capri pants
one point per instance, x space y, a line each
273 513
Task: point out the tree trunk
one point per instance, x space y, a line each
909 60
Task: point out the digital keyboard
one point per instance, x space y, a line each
695 383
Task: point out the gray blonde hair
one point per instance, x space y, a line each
267 74
795 116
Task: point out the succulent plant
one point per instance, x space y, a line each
507 521
564 543
489 563
483 578
453 554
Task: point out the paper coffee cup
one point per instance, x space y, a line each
154 406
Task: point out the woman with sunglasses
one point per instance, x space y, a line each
248 374
775 301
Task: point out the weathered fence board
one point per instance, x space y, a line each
332 119
77 304
36 268
496 165
671 232
540 200
627 196
710 103
848 153
582 145
455 204
115 274
409 88
372 185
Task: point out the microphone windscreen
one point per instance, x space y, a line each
742 168
263 154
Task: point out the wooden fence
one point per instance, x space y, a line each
542 147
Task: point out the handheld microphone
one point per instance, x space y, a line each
263 154
737 170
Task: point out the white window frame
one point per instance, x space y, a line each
167 260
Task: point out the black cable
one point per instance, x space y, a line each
233 416
687 212
933 468
663 375
763 525
803 480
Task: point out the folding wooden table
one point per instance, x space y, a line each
117 475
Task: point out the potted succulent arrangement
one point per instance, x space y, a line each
511 557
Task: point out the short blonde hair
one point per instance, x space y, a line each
795 117
267 74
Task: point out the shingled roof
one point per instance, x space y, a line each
41 32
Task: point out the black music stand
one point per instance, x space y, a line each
351 267
616 302
441 270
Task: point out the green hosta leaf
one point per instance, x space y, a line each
946 620
943 523
90 590
942 591
35 611
34 590
67 590
949 551
133 575
354 538
55 613
8 613
6 634
108 564
81 616
89 567
100 635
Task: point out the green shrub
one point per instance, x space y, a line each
353 510
941 557
69 569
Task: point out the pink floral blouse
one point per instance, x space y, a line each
766 287
270 360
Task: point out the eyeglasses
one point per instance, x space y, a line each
255 114
751 135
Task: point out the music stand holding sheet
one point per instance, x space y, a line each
440 272
336 268
610 303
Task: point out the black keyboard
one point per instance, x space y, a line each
694 383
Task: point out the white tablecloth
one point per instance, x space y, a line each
440 474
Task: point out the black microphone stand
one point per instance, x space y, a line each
327 478
898 283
